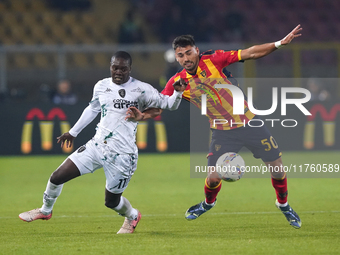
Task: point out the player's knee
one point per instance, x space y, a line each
276 169
278 175
55 178
213 182
65 172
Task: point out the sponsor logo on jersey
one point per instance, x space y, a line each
121 92
123 103
137 90
204 73
108 90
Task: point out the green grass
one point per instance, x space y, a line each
244 220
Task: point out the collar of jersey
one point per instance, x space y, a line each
123 84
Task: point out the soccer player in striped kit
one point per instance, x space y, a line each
226 137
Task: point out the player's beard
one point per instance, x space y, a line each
190 66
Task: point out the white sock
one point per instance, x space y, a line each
282 205
50 196
205 201
124 208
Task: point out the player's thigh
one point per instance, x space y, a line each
87 158
223 141
262 144
119 172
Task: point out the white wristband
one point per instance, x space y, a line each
278 44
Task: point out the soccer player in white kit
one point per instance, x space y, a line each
113 147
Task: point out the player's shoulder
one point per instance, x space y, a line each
181 73
218 52
219 55
208 53
211 54
140 84
103 82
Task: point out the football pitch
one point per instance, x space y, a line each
244 221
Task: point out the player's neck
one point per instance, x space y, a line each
192 73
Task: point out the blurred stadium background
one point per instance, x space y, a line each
45 41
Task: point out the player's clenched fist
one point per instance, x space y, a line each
180 85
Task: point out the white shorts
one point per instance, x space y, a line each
118 168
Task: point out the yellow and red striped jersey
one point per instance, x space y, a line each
219 100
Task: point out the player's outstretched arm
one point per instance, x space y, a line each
66 139
154 99
258 51
134 114
86 118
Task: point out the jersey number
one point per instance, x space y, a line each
269 146
122 183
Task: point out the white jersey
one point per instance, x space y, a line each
112 101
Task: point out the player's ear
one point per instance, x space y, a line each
177 59
198 50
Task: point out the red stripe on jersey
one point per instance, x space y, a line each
214 68
220 105
203 69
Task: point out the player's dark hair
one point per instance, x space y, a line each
183 41
122 54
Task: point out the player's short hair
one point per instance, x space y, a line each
183 41
122 54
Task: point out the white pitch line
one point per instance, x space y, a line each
180 215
